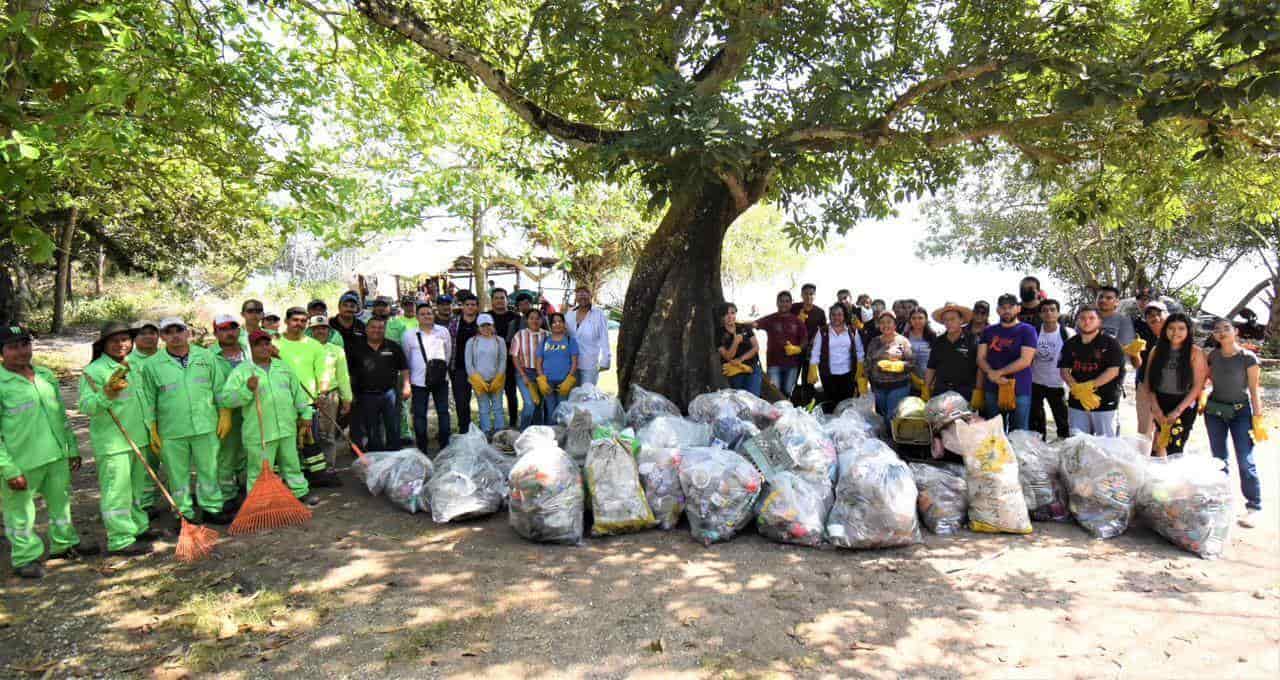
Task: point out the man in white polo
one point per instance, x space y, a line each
589 326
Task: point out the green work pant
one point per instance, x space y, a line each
281 454
231 462
53 481
182 456
148 494
120 478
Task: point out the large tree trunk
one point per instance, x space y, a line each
63 280
667 341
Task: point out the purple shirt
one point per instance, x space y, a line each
1004 346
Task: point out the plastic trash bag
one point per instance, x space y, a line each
646 405
1104 476
795 442
578 436
399 475
659 469
720 489
864 406
604 408
547 499
505 440
666 431
729 432
1042 487
943 502
470 479
996 504
794 508
618 503
875 504
848 430
1188 500
741 404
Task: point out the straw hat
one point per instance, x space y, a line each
965 313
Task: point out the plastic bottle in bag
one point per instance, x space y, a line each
469 479
1038 473
380 469
875 504
996 504
741 404
1188 500
646 405
618 503
720 489
667 431
794 508
1104 476
659 469
547 500
942 501
604 408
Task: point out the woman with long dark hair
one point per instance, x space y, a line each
739 351
921 337
837 349
1175 378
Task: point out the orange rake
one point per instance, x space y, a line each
270 504
195 542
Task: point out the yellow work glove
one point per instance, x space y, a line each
478 384
1259 432
926 393
224 423
567 386
535 393
304 433
499 381
117 383
917 381
1203 401
1085 394
803 316
1135 348
979 399
1007 396
155 439
892 365
790 349
543 386
856 323
727 370
1164 436
812 378
860 376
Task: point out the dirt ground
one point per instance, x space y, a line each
366 590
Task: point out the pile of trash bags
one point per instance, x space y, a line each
470 478
943 501
864 406
720 489
1104 476
848 430
618 502
400 475
875 500
547 500
1188 500
794 508
659 469
795 442
587 408
730 403
996 504
1042 487
673 431
646 405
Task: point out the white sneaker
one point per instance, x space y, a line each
1250 519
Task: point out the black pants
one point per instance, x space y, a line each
378 420
461 399
510 387
835 389
1182 426
1057 398
421 398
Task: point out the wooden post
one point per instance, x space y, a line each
62 282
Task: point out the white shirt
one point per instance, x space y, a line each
592 337
839 355
1044 368
438 345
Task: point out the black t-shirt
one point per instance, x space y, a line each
502 322
1088 360
813 319
954 363
1144 331
1030 315
746 333
376 370
350 336
462 331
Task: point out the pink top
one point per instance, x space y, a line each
524 347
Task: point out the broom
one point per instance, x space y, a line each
270 504
195 542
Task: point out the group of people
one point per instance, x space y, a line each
1025 365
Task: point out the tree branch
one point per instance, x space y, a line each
727 62
408 23
924 87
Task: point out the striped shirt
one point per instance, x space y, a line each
524 349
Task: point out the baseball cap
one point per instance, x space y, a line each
224 321
172 321
14 333
1007 299
146 323
317 303
444 300
982 306
349 296
317 320
484 319
270 315
1156 304
382 300
258 336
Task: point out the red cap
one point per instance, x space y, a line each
257 336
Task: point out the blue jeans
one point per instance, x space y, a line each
492 417
551 401
1238 427
378 420
1018 419
588 376
419 405
530 413
784 378
887 400
750 382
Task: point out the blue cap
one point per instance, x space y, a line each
444 300
349 297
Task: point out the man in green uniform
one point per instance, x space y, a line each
283 410
306 358
232 472
146 342
37 455
105 391
316 308
251 310
178 387
334 398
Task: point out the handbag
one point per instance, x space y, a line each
1222 410
436 369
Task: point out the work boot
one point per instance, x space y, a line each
30 570
327 478
216 518
155 512
77 552
132 550
232 506
151 535
310 499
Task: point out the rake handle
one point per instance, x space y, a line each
333 420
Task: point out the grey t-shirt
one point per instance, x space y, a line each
1120 327
486 356
1230 375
